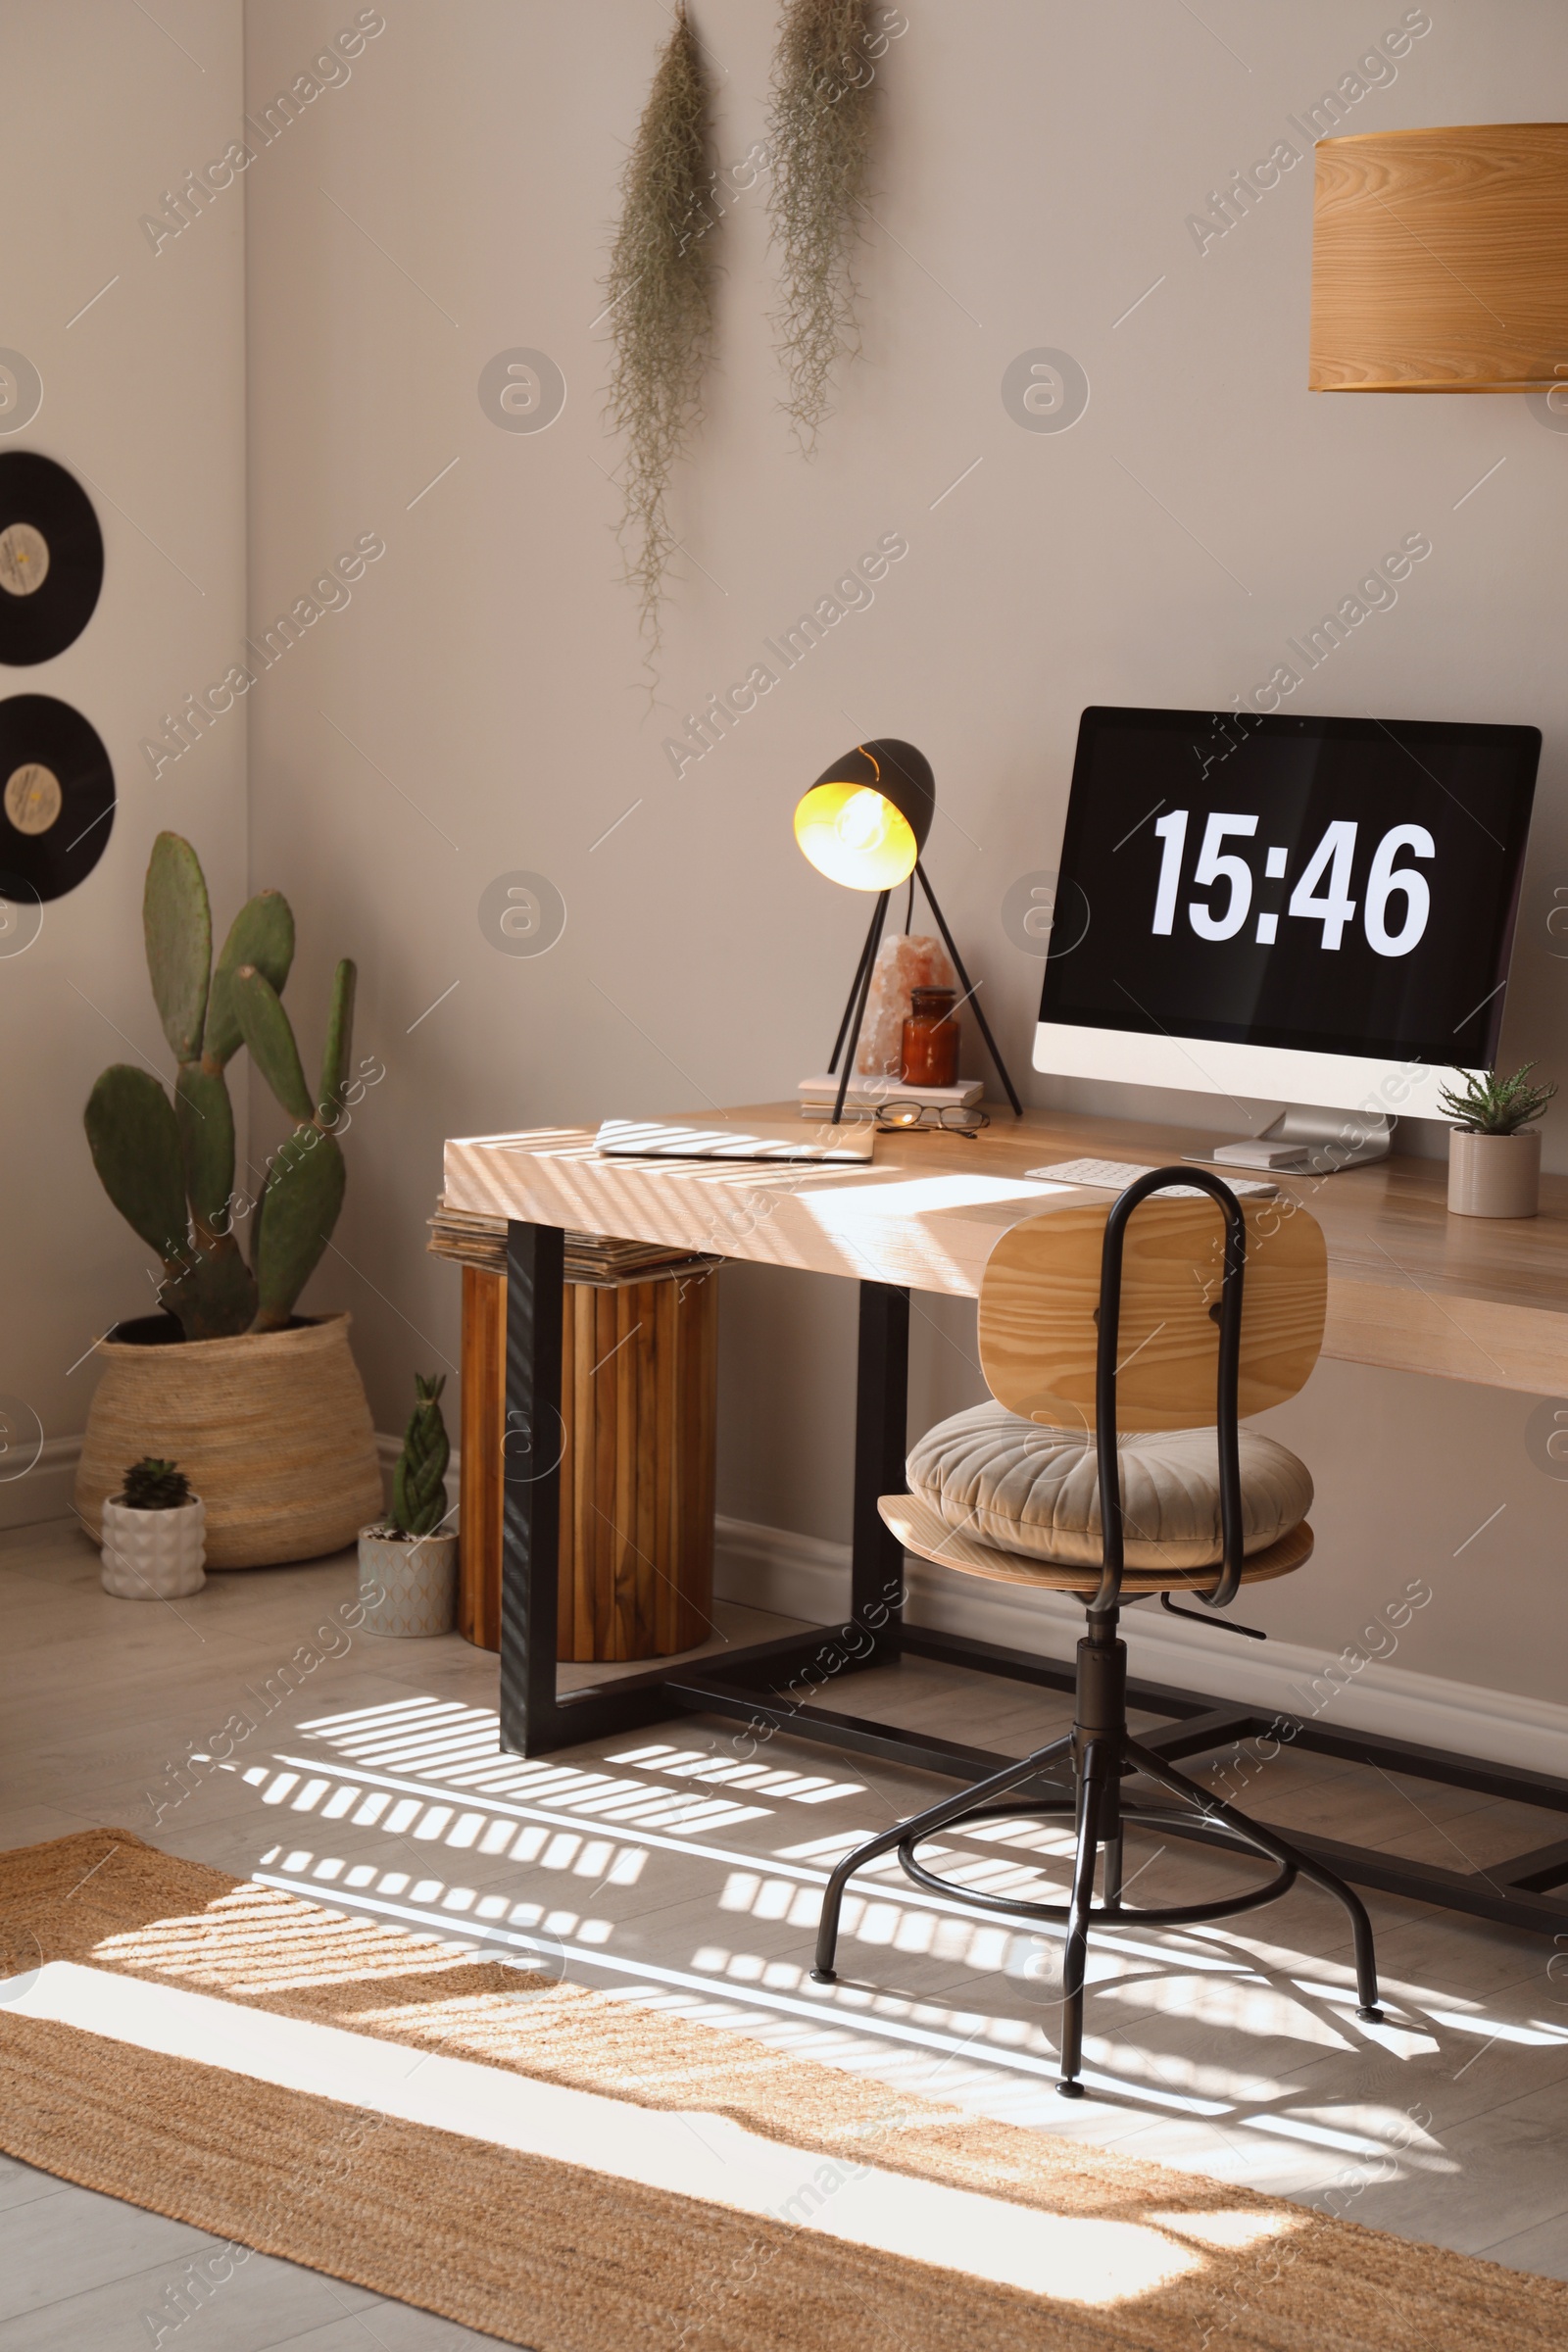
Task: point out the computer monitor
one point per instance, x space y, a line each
1314 912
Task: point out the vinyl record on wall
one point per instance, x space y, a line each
51 557
57 795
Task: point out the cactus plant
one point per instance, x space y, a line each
304 1189
419 1491
168 1165
152 1485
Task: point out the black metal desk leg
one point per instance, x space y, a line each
531 1448
881 1428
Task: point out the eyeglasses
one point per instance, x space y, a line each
954 1118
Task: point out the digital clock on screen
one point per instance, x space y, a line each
1336 884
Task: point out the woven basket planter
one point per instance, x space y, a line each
271 1429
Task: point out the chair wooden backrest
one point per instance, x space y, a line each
1040 1294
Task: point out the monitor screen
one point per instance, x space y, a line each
1340 886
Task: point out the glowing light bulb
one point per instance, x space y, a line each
862 822
855 835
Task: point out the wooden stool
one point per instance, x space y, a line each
639 1396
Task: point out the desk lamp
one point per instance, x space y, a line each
864 823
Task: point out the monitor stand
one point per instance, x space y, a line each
1307 1142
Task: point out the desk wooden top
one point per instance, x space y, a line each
1410 1287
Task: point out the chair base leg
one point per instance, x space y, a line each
1278 1850
922 1825
1095 1782
1105 1752
1112 1755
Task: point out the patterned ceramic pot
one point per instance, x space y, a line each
154 1555
409 1584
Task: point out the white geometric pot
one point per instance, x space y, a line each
409 1584
154 1555
1495 1175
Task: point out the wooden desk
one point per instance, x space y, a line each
1410 1288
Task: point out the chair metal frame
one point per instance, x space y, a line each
1102 1750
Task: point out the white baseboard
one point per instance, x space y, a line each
800 1576
44 1490
387 1449
804 1577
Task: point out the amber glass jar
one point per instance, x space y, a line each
930 1055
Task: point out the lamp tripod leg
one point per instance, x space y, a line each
968 986
867 954
862 992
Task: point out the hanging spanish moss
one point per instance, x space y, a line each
820 141
659 291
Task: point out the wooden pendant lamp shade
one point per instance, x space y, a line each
1440 260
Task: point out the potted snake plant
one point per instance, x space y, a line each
409 1560
262 1405
153 1534
1495 1148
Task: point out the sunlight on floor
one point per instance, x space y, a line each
428 1772
698 1764
1071 2258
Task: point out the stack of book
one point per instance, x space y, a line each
870 1093
597 1258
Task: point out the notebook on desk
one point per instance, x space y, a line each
766 1138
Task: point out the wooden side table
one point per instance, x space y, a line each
636 1449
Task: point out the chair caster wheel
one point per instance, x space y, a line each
1070 2090
824 1976
1371 2017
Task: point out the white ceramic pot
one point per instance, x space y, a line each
1495 1175
154 1555
409 1584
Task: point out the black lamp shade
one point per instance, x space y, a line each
865 819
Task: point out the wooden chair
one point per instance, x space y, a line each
1182 1321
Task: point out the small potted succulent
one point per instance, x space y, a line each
154 1535
1495 1150
409 1560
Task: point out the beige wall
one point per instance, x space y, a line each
479 708
145 395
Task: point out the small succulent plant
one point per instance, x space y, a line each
1494 1106
418 1491
152 1485
169 1166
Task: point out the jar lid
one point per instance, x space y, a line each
933 1000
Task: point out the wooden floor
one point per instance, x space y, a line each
683 1867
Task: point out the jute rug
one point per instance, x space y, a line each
179 2038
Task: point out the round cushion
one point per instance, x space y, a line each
1036 1490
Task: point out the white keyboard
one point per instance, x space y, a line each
1115 1175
